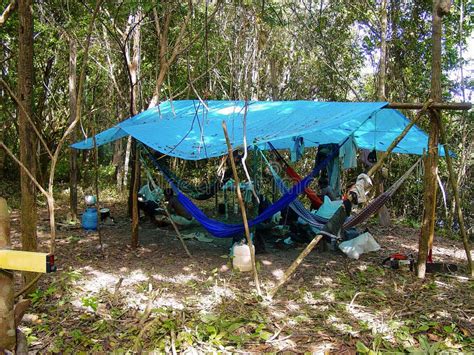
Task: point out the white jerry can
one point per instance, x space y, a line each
242 259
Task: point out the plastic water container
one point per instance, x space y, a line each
242 259
89 219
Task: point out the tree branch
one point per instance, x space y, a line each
7 12
20 105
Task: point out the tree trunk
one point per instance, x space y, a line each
7 319
27 135
133 68
431 164
384 214
126 164
73 169
117 162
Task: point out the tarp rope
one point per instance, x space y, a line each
224 230
312 196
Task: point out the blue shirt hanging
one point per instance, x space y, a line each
298 149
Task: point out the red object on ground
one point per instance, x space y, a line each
314 198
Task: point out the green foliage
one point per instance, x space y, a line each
90 302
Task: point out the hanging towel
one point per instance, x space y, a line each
348 154
298 149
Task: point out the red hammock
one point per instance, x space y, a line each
313 197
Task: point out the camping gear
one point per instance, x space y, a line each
396 260
201 192
364 243
328 208
104 214
224 230
379 201
242 260
89 219
90 200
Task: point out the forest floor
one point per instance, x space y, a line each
156 298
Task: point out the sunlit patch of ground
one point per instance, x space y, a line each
155 298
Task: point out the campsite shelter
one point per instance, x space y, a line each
193 130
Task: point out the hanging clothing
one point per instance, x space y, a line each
348 154
364 158
332 170
151 194
334 175
298 149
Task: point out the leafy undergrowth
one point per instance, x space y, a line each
355 309
154 298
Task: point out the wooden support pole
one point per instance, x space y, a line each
431 163
295 264
242 208
397 140
457 199
464 106
7 317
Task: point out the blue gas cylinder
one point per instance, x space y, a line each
89 219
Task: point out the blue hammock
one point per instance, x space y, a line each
224 230
296 205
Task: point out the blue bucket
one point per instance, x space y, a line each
89 219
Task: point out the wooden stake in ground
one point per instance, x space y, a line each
7 318
242 208
452 180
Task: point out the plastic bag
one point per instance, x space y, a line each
364 243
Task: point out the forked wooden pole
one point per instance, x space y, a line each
242 209
457 199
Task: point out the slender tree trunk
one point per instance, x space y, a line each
117 162
431 163
7 319
73 169
27 135
384 214
126 164
134 67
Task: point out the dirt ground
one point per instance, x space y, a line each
157 298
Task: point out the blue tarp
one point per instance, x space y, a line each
189 130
